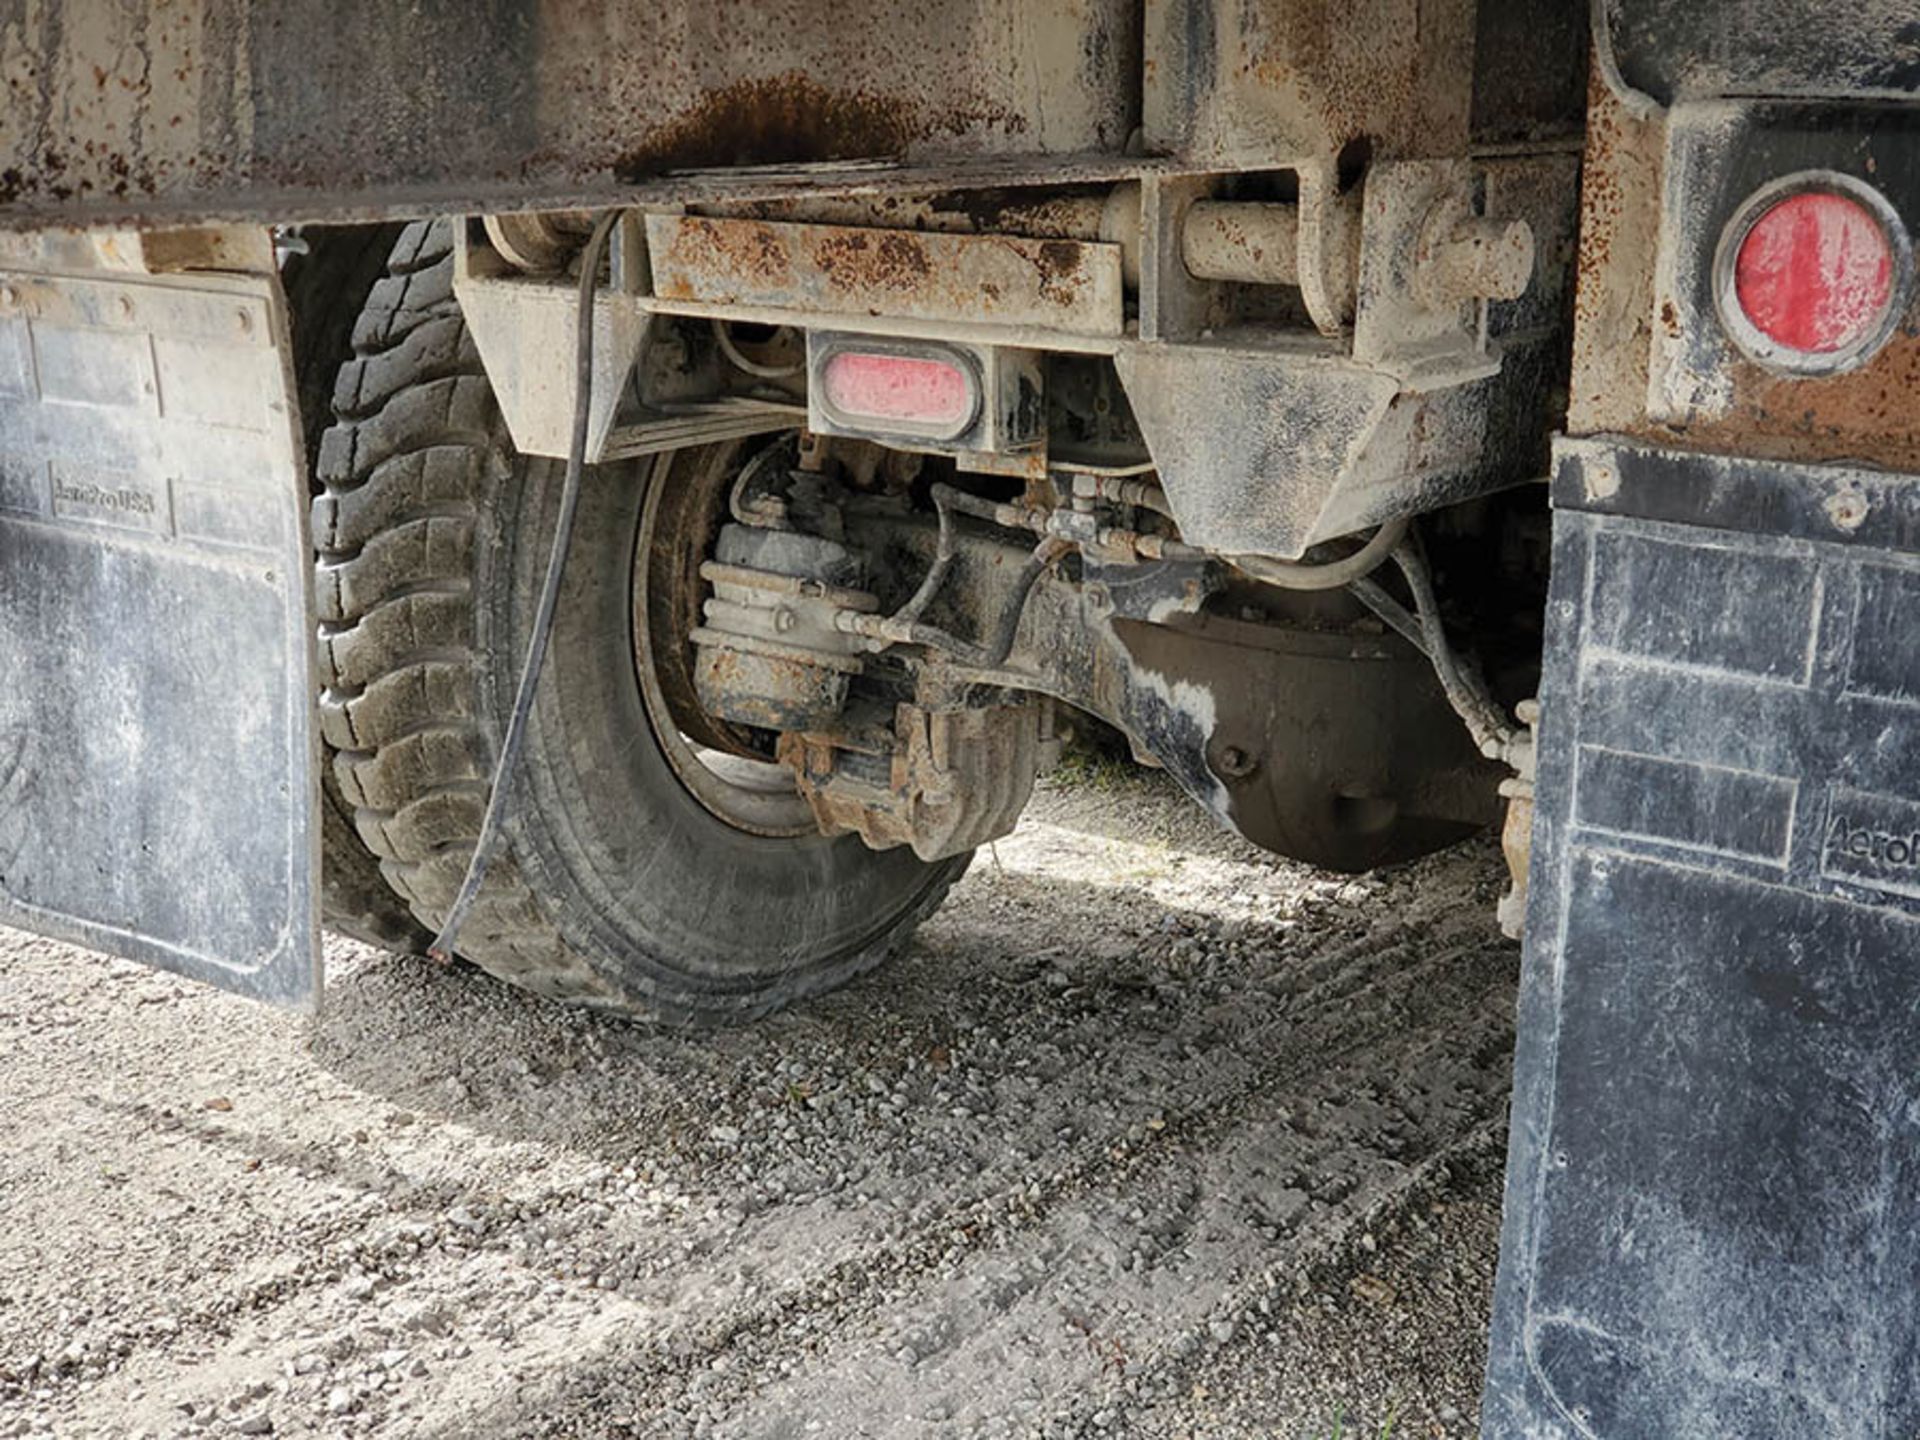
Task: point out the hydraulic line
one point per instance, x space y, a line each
1124 490
515 738
1333 574
1465 688
994 512
1001 645
1374 596
901 628
937 572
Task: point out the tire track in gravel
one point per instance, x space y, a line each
462 1213
1240 1127
1048 1329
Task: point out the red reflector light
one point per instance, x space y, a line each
1816 274
918 394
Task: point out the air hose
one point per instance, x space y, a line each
514 740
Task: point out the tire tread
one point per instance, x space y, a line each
406 473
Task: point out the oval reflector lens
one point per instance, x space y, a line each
1815 273
935 395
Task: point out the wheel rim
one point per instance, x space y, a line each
685 500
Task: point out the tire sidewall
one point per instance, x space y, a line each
635 873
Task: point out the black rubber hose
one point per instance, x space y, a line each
512 742
937 572
1464 687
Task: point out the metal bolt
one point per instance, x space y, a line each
9 299
1600 480
246 321
1235 762
1848 508
784 620
126 307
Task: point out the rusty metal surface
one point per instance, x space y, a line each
1706 49
1109 213
1718 154
1330 225
1174 303
134 109
1396 324
1620 189
769 651
1067 285
1268 446
952 781
1234 83
1250 243
1651 356
772 687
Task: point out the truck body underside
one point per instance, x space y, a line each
1195 314
933 380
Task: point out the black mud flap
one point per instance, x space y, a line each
1713 1195
157 790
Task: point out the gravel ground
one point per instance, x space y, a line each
1149 1134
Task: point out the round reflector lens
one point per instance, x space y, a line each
925 394
1815 273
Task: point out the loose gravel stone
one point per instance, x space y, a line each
1102 1152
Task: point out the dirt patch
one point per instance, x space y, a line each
1148 1134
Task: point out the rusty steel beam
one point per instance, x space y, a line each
173 111
1067 285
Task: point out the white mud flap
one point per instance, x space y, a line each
157 785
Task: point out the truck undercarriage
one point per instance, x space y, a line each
637 503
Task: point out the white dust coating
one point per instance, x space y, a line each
1196 703
1148 1133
